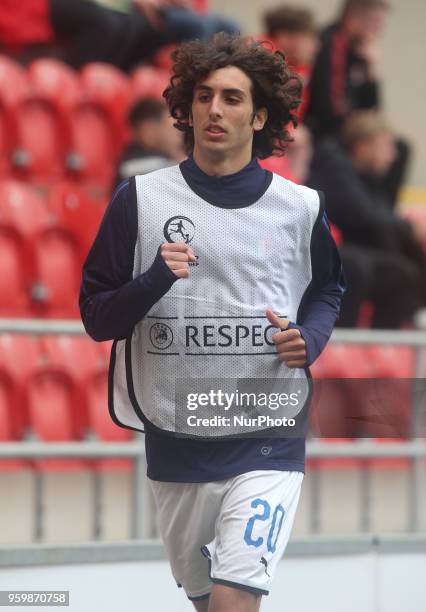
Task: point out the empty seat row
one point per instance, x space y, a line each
43 243
369 361
54 388
57 123
363 391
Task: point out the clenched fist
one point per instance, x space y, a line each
290 345
177 256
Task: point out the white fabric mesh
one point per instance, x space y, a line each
250 259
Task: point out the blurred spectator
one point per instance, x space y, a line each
299 154
82 31
294 165
386 250
345 78
345 75
155 143
293 30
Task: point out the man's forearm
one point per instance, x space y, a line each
111 314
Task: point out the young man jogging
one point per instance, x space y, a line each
203 303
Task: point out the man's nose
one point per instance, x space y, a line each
215 107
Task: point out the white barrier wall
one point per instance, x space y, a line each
362 574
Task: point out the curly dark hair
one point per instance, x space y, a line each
274 86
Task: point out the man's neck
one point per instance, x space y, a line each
220 165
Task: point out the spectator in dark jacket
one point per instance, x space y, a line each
81 31
387 249
345 76
155 142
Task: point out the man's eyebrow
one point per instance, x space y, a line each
227 90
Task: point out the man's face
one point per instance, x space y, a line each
369 23
222 114
160 135
299 47
377 154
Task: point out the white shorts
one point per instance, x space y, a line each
231 532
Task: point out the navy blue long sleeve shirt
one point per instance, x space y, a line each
112 302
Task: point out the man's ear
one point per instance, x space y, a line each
259 119
190 123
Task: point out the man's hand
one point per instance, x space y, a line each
290 345
418 228
177 256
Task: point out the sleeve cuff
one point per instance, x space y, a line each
310 358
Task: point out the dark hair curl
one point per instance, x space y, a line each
274 86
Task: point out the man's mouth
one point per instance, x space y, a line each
215 129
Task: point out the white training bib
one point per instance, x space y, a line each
213 324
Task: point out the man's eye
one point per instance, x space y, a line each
233 100
203 98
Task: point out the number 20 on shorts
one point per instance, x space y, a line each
274 530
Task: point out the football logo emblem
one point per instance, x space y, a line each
179 229
161 336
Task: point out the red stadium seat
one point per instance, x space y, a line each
14 88
337 408
55 395
14 298
19 358
55 82
149 82
108 88
70 204
57 273
41 149
22 215
52 401
78 357
98 126
162 58
93 158
42 122
105 348
6 422
101 423
38 254
85 363
391 361
14 83
342 361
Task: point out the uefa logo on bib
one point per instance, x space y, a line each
161 336
179 229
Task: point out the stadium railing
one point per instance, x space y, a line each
413 449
